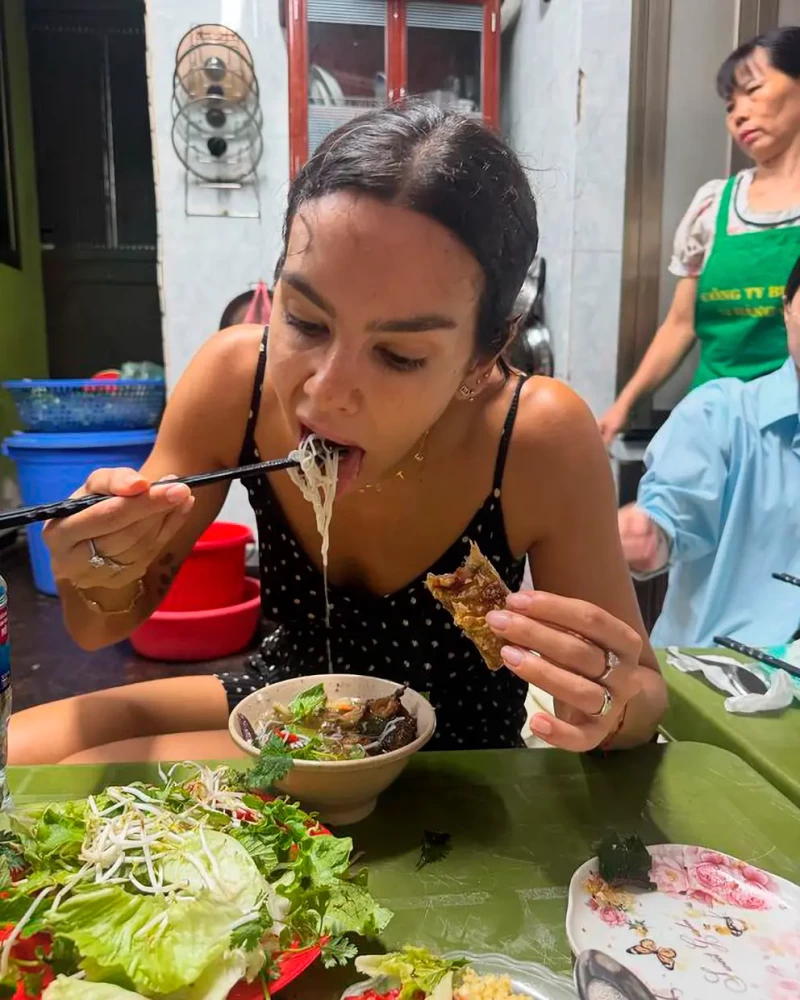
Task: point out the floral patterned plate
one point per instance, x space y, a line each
714 927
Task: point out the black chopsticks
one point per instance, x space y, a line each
64 508
787 578
756 654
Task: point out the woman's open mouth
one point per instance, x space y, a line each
351 458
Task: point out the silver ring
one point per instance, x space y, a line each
98 561
608 704
612 662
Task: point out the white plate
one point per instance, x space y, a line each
527 978
715 927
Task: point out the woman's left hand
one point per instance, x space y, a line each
576 652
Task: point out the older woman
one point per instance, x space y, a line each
739 238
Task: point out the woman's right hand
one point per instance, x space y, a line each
131 529
613 421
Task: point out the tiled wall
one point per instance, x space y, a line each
205 262
565 103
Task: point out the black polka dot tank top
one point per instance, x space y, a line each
405 636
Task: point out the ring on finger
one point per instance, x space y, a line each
608 704
612 661
98 561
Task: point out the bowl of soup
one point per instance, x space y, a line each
348 738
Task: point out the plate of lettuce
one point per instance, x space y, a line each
192 889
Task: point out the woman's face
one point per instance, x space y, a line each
764 110
373 328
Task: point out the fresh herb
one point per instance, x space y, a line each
625 861
248 936
11 851
307 703
436 845
338 951
414 972
274 763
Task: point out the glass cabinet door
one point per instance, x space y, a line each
445 54
346 62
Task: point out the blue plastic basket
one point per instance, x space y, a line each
60 406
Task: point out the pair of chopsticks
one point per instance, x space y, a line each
65 508
756 654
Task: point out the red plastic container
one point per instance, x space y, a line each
180 636
212 576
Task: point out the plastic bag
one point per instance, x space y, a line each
260 308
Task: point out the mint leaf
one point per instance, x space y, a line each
307 703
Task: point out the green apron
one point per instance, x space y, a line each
739 313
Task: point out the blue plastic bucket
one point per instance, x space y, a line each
51 466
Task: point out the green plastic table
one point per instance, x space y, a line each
768 742
522 821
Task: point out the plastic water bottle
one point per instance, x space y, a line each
5 693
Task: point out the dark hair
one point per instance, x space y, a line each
793 283
230 315
445 166
781 44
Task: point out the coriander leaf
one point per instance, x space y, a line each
436 845
274 763
11 850
307 703
338 951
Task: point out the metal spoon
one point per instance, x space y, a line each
744 680
595 967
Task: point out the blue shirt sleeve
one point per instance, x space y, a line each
687 464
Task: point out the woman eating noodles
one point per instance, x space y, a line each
739 238
407 238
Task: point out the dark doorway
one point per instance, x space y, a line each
95 183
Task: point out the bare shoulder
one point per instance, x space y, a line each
233 351
557 462
553 420
209 405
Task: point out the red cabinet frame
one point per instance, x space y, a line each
396 66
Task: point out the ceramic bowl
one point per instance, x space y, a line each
341 791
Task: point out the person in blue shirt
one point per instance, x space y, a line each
719 506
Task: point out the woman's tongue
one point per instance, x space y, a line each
350 461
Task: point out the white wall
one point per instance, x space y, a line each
701 37
205 262
565 107
789 12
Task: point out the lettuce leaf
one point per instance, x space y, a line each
414 970
215 984
351 910
236 878
109 926
79 989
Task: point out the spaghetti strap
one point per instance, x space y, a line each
248 445
505 440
